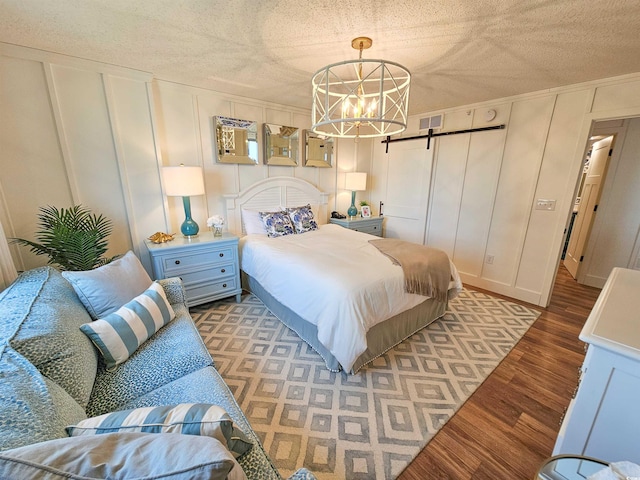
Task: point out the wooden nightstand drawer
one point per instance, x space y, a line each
201 291
371 229
370 225
208 274
181 261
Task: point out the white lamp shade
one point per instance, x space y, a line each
183 181
355 181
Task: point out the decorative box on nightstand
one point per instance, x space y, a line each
207 265
371 225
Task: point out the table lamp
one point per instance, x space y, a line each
354 181
184 182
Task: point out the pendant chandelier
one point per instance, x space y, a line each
360 98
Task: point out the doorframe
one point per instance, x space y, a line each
619 135
572 184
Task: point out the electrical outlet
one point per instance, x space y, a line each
490 259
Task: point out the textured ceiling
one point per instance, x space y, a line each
458 51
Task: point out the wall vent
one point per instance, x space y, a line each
434 122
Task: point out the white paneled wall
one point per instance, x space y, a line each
556 180
76 131
484 185
186 131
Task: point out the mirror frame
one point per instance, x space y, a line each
321 161
281 145
248 129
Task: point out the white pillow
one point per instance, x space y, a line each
252 222
105 289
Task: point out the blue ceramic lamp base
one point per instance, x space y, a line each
353 211
189 228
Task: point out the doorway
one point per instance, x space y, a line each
608 234
586 202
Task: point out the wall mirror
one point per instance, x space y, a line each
318 149
281 145
236 140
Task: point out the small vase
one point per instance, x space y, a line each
217 231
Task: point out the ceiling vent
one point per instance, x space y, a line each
434 122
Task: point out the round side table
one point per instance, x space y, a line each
569 467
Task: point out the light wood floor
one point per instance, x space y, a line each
509 425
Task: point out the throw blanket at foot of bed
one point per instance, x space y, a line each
427 270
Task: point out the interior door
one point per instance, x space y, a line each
407 190
589 197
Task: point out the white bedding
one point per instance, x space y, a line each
333 278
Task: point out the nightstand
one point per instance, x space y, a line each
371 225
207 265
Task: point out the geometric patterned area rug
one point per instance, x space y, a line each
364 426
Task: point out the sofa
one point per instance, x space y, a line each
54 377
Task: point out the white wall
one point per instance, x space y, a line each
77 131
84 132
484 185
186 132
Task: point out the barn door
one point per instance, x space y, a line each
408 180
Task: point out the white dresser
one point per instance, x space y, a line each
603 419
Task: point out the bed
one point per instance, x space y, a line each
331 286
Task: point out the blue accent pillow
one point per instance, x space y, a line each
302 219
277 224
122 456
186 418
119 334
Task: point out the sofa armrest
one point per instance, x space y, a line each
174 289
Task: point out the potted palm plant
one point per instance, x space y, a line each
73 238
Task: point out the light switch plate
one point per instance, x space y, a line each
544 204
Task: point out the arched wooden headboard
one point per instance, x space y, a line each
273 194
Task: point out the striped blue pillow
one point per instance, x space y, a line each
186 418
120 333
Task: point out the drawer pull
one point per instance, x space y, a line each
223 270
222 254
177 262
224 285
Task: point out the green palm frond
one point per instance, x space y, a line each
72 238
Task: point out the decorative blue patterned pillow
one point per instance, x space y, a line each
186 418
277 224
302 219
120 333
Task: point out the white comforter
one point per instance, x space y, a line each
334 278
